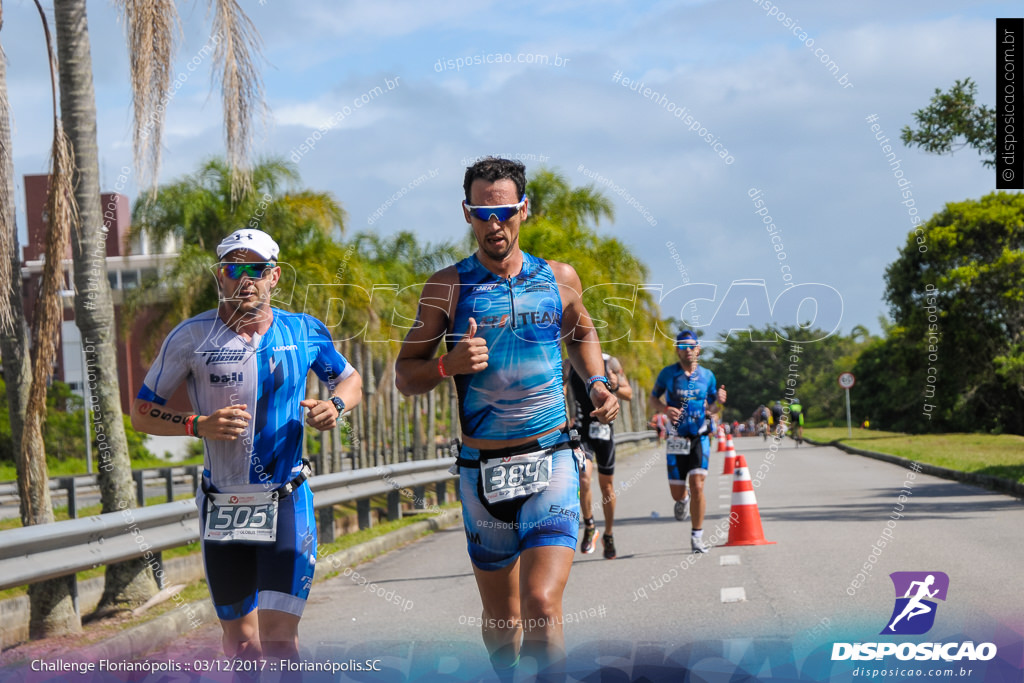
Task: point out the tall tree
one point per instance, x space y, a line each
7 268
51 608
552 197
198 212
952 121
130 582
957 288
758 368
14 342
562 226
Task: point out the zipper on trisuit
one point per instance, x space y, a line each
511 300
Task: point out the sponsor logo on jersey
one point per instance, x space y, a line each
520 319
542 318
289 347
559 510
491 321
538 287
222 356
484 288
233 378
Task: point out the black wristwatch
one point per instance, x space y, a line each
339 405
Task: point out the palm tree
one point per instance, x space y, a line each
14 343
562 227
198 212
52 610
131 582
553 198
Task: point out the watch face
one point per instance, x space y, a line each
339 405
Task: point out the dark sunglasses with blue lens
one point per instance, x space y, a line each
255 271
502 212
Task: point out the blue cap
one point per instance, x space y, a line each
687 335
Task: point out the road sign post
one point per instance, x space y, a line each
846 381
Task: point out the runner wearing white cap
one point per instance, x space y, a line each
245 366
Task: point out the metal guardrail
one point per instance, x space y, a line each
47 551
89 483
81 481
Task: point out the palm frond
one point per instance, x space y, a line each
7 226
150 28
238 48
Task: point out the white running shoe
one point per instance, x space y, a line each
697 545
682 509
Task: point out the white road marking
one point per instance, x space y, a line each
736 594
726 560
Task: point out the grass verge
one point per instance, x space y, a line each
997 455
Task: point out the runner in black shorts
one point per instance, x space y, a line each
598 442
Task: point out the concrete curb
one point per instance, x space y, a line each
159 632
998 484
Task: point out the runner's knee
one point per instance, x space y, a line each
540 604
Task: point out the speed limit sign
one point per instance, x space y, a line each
847 380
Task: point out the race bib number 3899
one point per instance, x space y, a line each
241 517
515 476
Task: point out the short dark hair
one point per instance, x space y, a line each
493 169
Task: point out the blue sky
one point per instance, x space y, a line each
793 129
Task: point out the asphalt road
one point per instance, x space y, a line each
773 610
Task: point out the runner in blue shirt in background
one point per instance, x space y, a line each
690 390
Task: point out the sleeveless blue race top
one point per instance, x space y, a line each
519 394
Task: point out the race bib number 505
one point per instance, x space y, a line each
241 517
515 476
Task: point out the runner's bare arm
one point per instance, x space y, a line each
617 376
581 341
322 414
659 406
416 369
224 424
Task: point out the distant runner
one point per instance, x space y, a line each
598 444
689 390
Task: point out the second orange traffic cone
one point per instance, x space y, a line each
729 466
744 518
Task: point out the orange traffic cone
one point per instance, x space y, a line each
720 438
729 465
744 518
728 444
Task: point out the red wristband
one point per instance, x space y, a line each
440 367
190 427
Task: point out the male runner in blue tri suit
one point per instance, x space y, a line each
690 389
504 314
245 366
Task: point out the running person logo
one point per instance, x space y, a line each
916 592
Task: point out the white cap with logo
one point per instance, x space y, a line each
255 241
